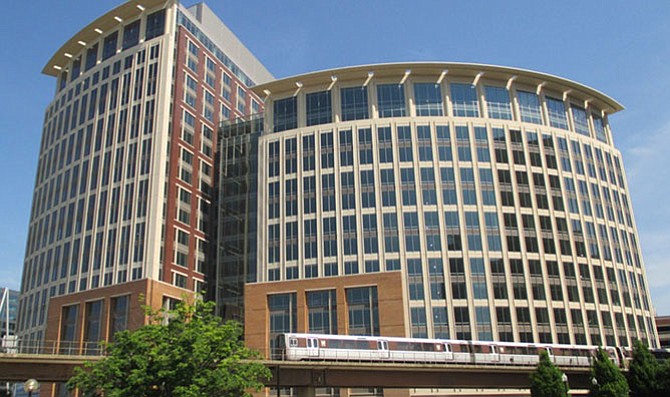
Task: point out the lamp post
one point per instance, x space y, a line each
564 378
30 386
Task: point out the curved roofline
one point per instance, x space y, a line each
552 82
96 29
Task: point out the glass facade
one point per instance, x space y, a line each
237 215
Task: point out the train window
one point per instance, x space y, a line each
293 342
461 348
549 351
481 349
350 344
415 346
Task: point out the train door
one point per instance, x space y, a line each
448 353
551 354
383 349
312 347
495 356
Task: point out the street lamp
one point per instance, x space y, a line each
564 378
30 386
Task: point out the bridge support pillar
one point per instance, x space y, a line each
306 391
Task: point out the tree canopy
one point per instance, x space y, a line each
186 352
609 381
547 380
646 376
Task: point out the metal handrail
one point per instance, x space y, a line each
51 347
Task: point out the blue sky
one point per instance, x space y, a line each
618 47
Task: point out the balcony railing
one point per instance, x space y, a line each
52 348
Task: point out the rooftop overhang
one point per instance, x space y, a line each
96 29
557 86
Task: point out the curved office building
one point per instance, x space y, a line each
125 177
441 200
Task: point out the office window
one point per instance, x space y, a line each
418 318
354 101
599 126
68 337
109 45
497 103
440 323
285 116
91 58
118 315
529 107
557 115
92 326
580 120
131 35
283 318
318 108
155 24
428 99
464 100
322 311
363 311
391 100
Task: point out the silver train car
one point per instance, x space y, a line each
297 346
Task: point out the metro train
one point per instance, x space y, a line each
298 346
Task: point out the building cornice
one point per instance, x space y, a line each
97 29
439 70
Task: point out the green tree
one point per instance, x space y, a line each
644 372
608 379
547 380
663 377
187 352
